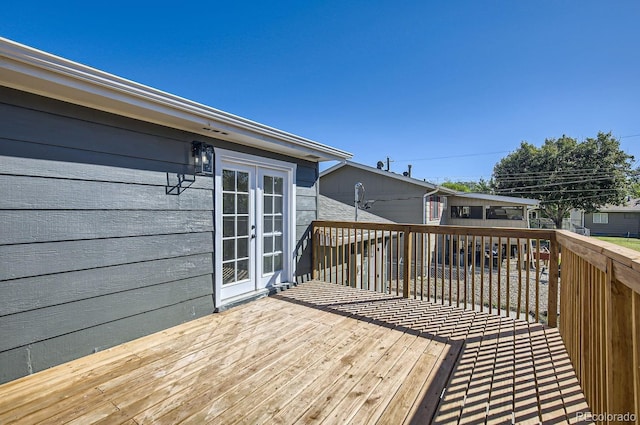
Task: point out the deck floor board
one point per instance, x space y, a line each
317 353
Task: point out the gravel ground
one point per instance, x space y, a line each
491 279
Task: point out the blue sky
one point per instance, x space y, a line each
447 86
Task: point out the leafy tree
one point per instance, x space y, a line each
481 186
459 186
564 174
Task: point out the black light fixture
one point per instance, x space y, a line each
203 158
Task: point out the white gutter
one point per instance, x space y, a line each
31 70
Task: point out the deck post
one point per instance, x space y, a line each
621 387
406 265
554 268
314 253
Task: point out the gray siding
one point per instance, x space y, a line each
620 224
93 251
395 200
306 212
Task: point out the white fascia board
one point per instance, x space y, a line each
38 72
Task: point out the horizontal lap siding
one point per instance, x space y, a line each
306 212
93 250
80 254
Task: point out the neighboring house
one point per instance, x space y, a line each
332 210
408 200
345 250
615 220
107 234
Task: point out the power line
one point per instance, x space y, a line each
557 184
451 156
505 192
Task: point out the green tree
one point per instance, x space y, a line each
564 174
459 186
481 186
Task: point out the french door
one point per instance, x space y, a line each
253 218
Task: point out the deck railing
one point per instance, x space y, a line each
499 270
515 272
600 322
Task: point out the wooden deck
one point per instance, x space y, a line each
318 353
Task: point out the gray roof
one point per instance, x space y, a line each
632 205
499 198
441 190
391 175
332 210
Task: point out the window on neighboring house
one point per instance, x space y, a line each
600 218
434 207
467 212
505 213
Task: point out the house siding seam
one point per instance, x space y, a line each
93 251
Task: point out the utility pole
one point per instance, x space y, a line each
356 201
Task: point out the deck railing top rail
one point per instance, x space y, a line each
439 229
623 262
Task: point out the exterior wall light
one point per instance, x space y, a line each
203 158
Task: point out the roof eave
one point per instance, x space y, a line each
38 72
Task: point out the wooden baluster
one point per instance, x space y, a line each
407 262
554 264
537 300
482 264
507 254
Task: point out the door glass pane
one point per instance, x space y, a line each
228 203
268 184
243 225
268 225
228 249
228 180
277 204
267 264
277 224
243 204
243 247
268 244
278 185
268 204
243 182
277 262
243 270
228 272
277 243
228 227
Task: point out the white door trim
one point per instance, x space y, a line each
224 155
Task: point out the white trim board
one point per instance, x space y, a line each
227 156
